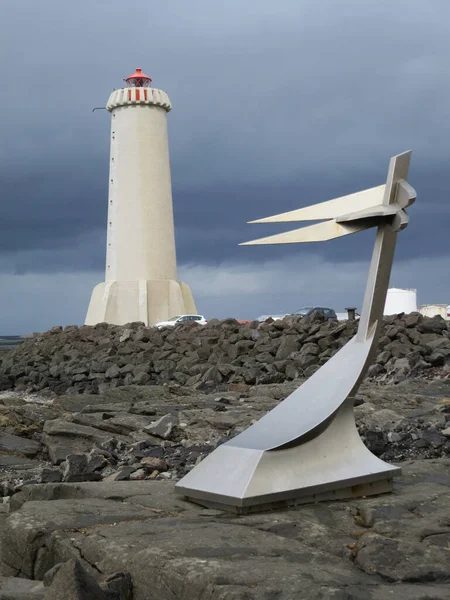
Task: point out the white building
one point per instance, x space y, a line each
141 281
400 301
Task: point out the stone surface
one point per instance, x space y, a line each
76 468
18 445
391 545
14 588
203 391
73 582
27 540
162 428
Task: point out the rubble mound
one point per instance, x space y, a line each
94 359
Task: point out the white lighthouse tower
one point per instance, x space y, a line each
141 272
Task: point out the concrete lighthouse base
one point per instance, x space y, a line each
120 302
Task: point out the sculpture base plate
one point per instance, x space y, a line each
374 488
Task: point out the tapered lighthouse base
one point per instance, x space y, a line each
121 302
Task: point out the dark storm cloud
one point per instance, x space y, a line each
276 105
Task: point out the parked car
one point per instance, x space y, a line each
199 319
328 313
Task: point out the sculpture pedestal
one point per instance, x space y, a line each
334 465
121 302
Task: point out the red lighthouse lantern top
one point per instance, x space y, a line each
138 79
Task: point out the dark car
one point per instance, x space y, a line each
327 313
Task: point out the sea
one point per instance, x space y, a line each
8 342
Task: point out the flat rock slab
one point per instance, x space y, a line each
14 588
157 494
27 542
18 445
364 549
64 437
17 462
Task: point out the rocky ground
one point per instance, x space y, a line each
87 479
91 478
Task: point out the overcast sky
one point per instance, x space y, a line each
276 105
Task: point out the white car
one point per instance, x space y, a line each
199 319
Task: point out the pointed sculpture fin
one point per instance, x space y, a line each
320 232
331 208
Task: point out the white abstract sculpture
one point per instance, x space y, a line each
308 449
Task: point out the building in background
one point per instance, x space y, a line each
141 282
400 301
432 310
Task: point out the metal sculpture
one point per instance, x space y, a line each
308 449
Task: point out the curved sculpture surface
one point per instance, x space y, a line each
308 448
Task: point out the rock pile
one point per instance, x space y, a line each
94 359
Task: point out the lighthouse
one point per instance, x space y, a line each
141 281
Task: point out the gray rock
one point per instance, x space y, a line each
96 460
17 462
289 345
27 531
304 361
126 335
310 348
15 588
404 561
137 475
125 423
18 445
122 474
50 575
374 370
383 357
433 325
433 438
113 372
163 427
119 586
60 427
62 438
141 378
76 468
50 475
73 582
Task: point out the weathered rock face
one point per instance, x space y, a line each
121 528
166 430
153 544
94 359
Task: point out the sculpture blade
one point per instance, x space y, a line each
382 210
331 208
320 232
